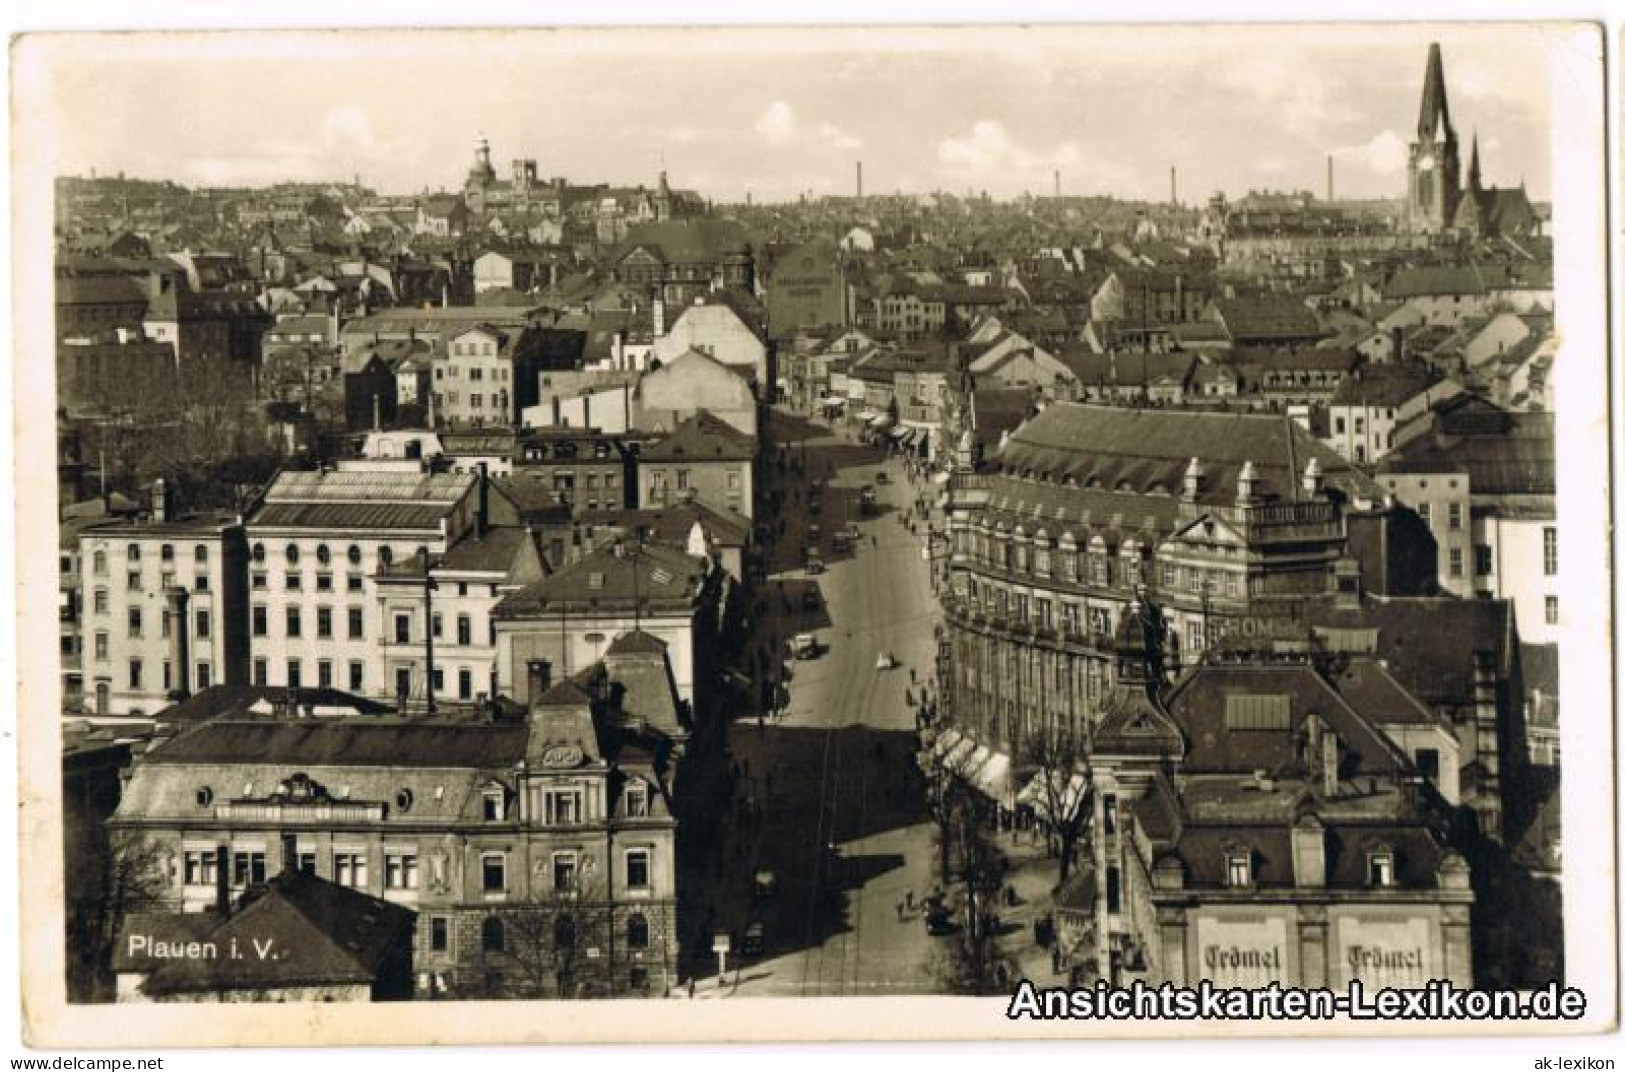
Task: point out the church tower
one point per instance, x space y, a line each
1434 170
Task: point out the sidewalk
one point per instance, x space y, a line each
1033 874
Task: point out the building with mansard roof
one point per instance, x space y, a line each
534 842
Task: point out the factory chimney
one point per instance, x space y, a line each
1330 194
1057 182
1173 186
860 180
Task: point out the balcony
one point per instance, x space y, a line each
319 811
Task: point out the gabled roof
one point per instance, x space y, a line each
702 438
323 934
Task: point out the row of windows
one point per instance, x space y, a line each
203 674
202 624
1238 868
494 937
324 554
356 677
132 555
355 623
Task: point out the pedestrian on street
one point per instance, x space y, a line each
899 911
909 898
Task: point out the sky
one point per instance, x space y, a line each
779 113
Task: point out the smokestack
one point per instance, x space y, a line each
1173 185
539 676
222 880
860 180
180 656
1330 192
482 513
290 852
1057 182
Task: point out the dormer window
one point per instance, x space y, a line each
1238 867
637 800
494 804
1380 867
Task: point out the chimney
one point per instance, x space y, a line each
1399 344
1247 484
160 500
377 412
290 852
1195 479
860 180
1312 478
1057 182
539 675
482 512
222 880
1329 189
1173 186
180 656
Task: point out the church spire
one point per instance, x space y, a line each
1435 118
1474 178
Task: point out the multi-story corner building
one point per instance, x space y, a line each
1085 506
570 619
163 607
678 260
535 844
318 544
1254 825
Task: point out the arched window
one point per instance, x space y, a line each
166 552
564 932
200 554
385 556
293 554
259 553
354 555
323 557
637 931
493 939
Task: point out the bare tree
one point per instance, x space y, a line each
128 872
1060 755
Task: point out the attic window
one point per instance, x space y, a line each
595 581
205 796
403 800
1238 867
1380 867
1245 711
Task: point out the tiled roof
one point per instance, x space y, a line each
1267 317
325 934
1519 459
339 516
655 574
703 437
314 743
1127 450
369 487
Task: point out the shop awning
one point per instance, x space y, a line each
946 740
902 435
832 402
954 758
992 777
880 420
867 415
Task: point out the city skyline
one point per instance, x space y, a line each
782 118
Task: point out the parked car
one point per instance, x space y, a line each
755 941
804 646
815 565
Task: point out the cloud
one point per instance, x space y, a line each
780 128
682 135
1384 154
989 152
